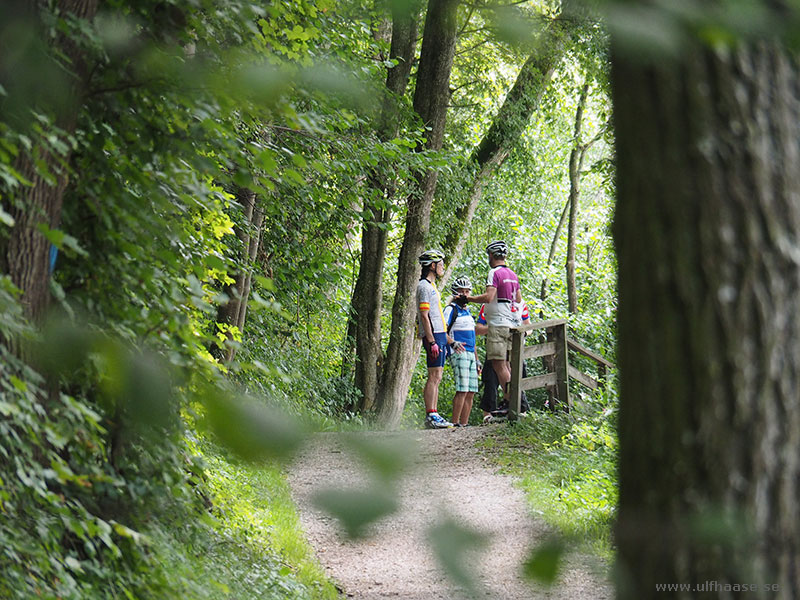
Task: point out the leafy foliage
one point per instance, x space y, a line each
107 486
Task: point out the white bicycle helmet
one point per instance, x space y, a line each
430 256
461 283
498 249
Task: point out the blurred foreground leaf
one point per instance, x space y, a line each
255 431
356 509
544 562
388 457
453 543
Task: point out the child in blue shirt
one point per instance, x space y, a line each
464 358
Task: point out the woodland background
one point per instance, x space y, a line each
211 213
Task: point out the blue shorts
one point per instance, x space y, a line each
441 341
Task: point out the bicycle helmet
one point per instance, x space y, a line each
461 283
498 249
430 256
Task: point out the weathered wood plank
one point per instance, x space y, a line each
561 365
539 325
538 381
586 352
583 378
545 349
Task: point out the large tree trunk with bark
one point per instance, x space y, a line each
26 251
509 124
367 301
708 239
431 97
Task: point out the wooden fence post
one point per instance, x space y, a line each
561 364
514 400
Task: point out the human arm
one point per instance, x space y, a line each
486 297
428 336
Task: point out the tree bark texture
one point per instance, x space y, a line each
707 230
575 167
27 251
431 97
367 303
509 124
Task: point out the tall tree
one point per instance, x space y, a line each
506 128
576 157
368 291
708 237
26 252
431 98
248 232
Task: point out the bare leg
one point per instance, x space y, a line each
466 408
458 404
503 370
431 391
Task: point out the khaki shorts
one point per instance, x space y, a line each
498 343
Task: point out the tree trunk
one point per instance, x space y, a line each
431 98
249 233
575 167
707 231
509 124
252 253
26 257
367 303
552 255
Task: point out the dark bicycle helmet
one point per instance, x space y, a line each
498 249
430 256
461 283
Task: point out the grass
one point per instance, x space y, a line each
250 545
566 464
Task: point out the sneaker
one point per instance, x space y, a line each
434 421
492 418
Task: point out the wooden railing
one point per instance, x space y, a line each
557 346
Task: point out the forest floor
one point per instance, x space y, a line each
449 478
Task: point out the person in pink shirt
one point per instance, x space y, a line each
503 298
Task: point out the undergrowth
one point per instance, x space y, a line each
250 545
567 466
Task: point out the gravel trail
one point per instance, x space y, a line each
449 478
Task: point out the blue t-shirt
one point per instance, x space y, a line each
463 329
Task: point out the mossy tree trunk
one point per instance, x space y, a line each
431 98
367 301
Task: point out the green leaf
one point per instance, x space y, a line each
253 430
388 457
6 218
544 562
357 509
454 546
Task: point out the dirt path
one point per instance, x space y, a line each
450 477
